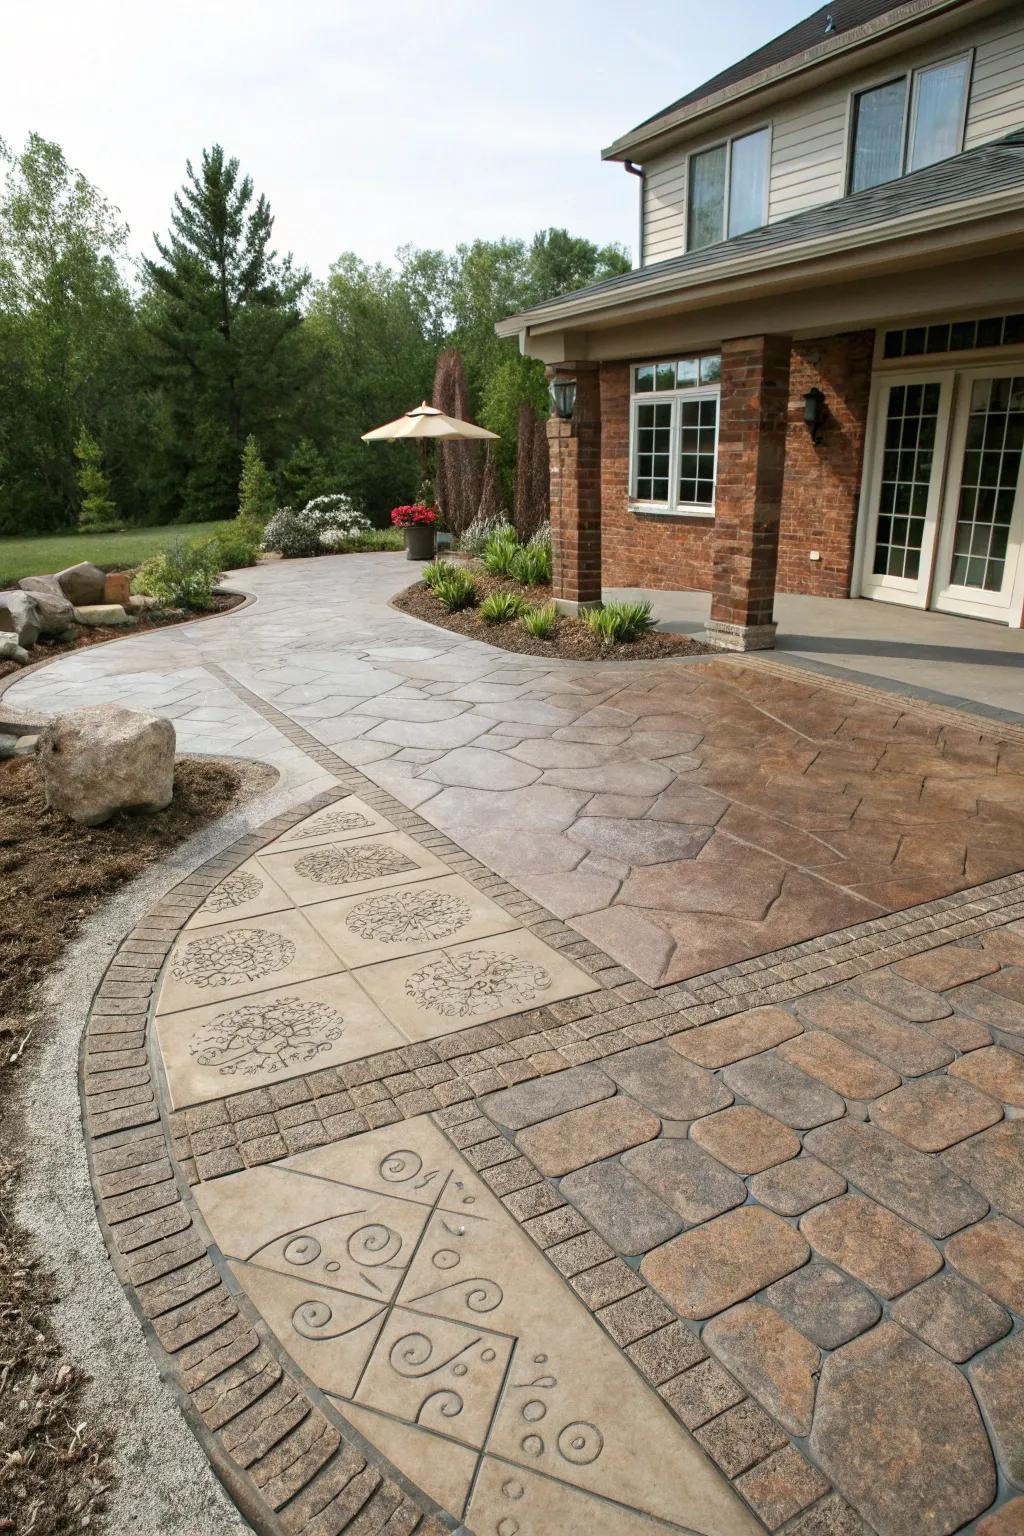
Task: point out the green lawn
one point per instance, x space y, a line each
41 555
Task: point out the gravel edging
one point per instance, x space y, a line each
164 1478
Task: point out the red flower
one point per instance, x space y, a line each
401 517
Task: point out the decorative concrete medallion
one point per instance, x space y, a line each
234 956
414 1301
234 891
260 1039
332 823
477 981
344 863
409 916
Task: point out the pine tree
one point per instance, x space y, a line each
256 500
459 470
224 315
492 507
98 510
304 475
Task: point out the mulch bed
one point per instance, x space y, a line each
54 873
89 634
571 640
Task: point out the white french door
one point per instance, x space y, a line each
911 427
978 569
944 495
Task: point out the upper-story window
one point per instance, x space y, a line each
908 122
727 189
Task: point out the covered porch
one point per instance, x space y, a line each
936 656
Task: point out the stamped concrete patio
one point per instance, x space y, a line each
599 1098
685 816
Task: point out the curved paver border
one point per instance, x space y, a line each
289 1459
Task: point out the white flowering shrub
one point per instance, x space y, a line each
481 530
542 538
321 525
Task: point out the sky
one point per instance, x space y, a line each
369 126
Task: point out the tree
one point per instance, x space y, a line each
532 476
256 500
98 510
459 473
303 475
66 323
224 321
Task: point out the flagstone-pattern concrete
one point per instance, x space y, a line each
682 815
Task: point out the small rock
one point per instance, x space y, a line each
82 584
141 602
101 615
103 759
24 746
117 587
19 616
10 650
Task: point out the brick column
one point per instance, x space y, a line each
748 499
574 449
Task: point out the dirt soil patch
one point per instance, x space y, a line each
53 874
571 639
90 634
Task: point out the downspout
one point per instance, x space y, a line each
638 170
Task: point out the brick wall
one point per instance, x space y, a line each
822 485
820 492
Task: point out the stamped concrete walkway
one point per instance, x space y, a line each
493 1225
684 815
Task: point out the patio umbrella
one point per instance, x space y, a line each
426 422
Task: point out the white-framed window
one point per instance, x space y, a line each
673 435
906 123
727 189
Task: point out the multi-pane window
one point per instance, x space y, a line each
727 189
675 434
988 485
910 425
907 123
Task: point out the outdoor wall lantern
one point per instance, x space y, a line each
563 396
814 413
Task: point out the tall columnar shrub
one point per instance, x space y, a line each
459 474
256 500
98 511
532 480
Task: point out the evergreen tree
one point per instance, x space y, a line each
304 475
224 324
98 510
256 500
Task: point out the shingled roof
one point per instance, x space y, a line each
983 172
828 21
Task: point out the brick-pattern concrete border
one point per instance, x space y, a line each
289 1459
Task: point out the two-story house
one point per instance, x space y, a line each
814 378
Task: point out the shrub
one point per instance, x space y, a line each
294 534
255 489
540 622
181 576
456 590
542 537
237 546
531 565
362 543
501 607
500 551
475 538
438 572
618 623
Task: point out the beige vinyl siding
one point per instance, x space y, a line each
808 154
664 208
809 135
996 104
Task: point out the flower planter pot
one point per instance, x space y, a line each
420 540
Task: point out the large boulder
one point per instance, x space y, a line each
48 584
19 616
102 759
82 584
55 613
